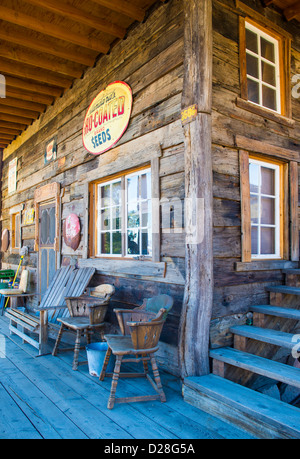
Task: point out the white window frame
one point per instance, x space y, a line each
260 58
124 217
277 226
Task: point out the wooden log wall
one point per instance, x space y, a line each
235 290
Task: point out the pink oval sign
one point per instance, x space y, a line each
71 231
107 118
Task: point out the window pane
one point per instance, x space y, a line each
254 209
105 195
117 243
267 211
105 219
267 49
251 41
267 241
268 73
254 177
146 217
267 181
105 242
146 245
254 240
116 193
132 188
252 65
133 243
269 97
133 219
116 218
253 91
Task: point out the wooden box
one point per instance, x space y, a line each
88 306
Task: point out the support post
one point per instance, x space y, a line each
198 295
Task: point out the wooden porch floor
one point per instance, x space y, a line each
42 397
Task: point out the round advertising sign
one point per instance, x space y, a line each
71 231
107 118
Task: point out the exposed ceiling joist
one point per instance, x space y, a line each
292 11
123 7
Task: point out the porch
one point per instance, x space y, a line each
43 398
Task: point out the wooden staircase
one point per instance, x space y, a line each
227 391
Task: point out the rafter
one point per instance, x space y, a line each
292 11
13 82
24 20
3 145
45 46
6 136
26 57
11 126
15 119
80 16
20 103
124 7
29 114
29 96
13 132
33 73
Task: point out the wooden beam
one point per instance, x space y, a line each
41 99
78 15
292 11
13 132
27 57
124 7
6 136
30 114
2 145
62 33
12 82
46 46
15 119
197 88
20 103
9 127
33 73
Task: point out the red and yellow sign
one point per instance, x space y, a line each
107 118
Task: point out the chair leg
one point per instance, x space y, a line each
76 350
105 363
55 349
157 378
112 397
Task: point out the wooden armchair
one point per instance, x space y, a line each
141 343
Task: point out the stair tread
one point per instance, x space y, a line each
283 417
289 313
267 335
260 365
284 289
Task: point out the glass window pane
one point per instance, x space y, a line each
267 211
267 49
105 219
252 65
268 73
133 243
146 186
253 91
116 193
116 218
267 241
254 240
254 177
251 41
105 195
269 97
105 242
117 243
146 217
132 188
268 181
133 217
254 208
146 242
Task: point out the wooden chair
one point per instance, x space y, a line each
66 282
87 315
142 343
148 309
16 293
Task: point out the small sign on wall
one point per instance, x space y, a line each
50 150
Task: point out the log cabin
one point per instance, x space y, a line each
196 195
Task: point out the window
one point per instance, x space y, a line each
122 216
16 231
264 181
262 64
264 70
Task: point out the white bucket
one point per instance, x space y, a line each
95 355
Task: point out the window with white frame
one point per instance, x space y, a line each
262 68
264 180
123 216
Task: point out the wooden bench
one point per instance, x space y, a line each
66 282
